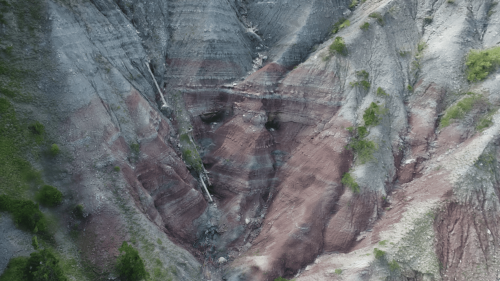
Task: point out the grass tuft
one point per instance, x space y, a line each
460 109
378 16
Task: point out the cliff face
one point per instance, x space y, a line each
322 164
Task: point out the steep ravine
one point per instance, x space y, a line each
323 165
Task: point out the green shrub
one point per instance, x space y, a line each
353 4
34 242
54 150
365 26
135 148
130 265
49 196
16 270
363 80
365 84
362 132
481 63
78 211
4 105
491 10
44 266
410 88
37 130
428 20
350 182
378 16
338 46
372 115
116 168
381 92
26 213
341 23
338 271
393 266
281 279
421 46
363 149
460 109
363 74
379 254
184 138
345 24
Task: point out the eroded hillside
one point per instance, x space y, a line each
315 140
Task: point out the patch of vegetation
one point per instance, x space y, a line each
44 265
403 53
491 10
338 271
365 26
38 131
282 279
450 1
16 139
25 213
188 147
394 266
481 63
373 114
421 46
78 211
378 17
116 169
191 159
460 109
485 121
338 46
410 88
428 20
130 265
340 24
381 92
34 242
379 254
349 181
383 242
49 196
135 148
16 270
418 56
54 150
353 4
363 149
362 80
